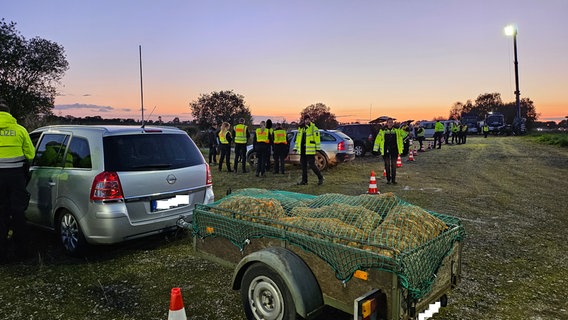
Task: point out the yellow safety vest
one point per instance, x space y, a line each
262 136
241 133
223 137
280 136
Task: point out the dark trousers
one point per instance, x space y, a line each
262 150
14 199
212 154
309 160
438 138
240 156
280 153
390 158
225 155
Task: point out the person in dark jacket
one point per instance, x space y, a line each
212 143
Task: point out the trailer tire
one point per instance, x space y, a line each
264 294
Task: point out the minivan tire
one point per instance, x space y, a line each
70 234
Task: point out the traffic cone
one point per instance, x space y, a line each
384 173
177 311
415 152
373 184
399 162
410 156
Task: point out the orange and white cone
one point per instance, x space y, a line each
373 184
177 311
415 152
410 156
384 173
399 162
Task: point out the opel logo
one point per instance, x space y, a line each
171 179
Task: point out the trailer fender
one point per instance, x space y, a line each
296 274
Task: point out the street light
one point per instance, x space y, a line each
511 30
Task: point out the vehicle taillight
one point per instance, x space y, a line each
209 177
341 146
370 138
106 186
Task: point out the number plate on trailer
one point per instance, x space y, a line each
170 203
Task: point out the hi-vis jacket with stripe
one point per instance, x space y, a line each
15 143
312 139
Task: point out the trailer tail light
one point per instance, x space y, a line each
106 186
368 306
341 146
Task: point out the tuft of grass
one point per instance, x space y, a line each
556 139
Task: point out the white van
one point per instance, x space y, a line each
429 127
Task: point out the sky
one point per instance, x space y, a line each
408 59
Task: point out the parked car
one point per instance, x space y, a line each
363 136
336 147
108 184
429 127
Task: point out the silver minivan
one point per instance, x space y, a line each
108 184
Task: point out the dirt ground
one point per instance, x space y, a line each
509 192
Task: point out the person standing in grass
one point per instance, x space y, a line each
16 153
261 145
307 144
225 139
389 144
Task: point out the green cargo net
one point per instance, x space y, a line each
348 232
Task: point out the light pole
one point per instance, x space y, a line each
511 30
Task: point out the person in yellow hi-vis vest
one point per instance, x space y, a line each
280 148
307 144
439 130
261 146
225 139
241 136
16 152
389 144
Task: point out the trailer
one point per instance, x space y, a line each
371 256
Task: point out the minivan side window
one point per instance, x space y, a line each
51 151
80 153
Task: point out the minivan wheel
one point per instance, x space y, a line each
70 234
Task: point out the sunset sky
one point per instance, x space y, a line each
409 59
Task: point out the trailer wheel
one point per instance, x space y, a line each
265 296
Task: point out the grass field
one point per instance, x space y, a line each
510 193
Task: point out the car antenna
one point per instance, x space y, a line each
141 87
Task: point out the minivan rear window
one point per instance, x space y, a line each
150 152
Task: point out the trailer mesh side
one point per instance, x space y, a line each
348 232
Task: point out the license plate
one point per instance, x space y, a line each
170 203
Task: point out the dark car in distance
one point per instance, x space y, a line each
363 136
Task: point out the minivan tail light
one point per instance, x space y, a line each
209 177
370 138
341 146
106 186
